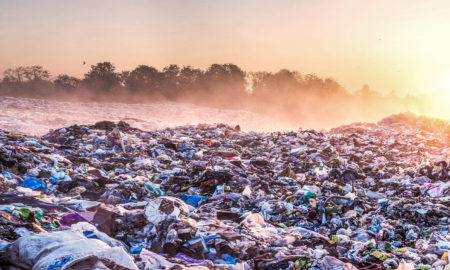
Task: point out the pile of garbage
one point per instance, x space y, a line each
110 196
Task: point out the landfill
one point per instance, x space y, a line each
210 196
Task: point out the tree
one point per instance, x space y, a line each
36 73
26 73
27 81
268 86
224 85
226 77
170 84
332 87
144 78
225 73
313 82
190 78
66 82
123 76
14 75
102 76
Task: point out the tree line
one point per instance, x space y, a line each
285 92
171 81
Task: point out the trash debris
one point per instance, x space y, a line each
360 196
69 250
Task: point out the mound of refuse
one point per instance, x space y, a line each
418 122
110 196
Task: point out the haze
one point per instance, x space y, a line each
399 46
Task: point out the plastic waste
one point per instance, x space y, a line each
366 196
33 183
193 200
158 209
70 250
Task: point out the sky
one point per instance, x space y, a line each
391 45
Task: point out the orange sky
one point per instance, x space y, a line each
390 45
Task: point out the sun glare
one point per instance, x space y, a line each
440 98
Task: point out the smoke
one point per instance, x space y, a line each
249 79
284 100
276 112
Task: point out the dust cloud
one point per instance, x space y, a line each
279 113
149 99
39 116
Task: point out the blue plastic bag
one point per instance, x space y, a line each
33 183
227 259
193 200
